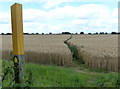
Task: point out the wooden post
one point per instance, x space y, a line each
18 41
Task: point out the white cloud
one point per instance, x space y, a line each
34 15
115 12
5 22
5 28
84 11
80 22
4 17
87 18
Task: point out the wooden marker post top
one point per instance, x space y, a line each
17 29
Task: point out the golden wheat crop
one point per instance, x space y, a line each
98 51
45 49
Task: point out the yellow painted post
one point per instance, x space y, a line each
18 41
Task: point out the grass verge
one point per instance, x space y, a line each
54 76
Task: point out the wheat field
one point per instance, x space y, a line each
98 51
44 49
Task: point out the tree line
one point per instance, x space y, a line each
62 33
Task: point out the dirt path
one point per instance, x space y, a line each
77 68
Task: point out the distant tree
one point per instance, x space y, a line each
8 33
2 33
81 32
50 32
113 33
42 33
32 33
101 33
89 33
66 33
76 33
106 33
96 33
37 33
26 33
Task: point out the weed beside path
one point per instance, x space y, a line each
78 59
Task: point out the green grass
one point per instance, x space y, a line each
54 76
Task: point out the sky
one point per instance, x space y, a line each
56 16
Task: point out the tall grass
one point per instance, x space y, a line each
42 49
100 62
49 58
44 58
